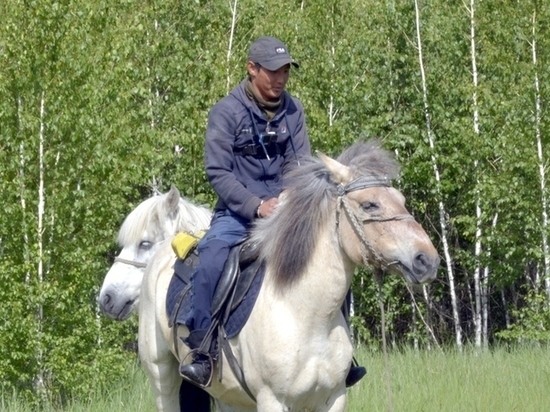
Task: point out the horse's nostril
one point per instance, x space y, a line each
106 301
421 263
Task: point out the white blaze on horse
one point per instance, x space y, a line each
295 349
151 222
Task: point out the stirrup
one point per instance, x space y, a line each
194 352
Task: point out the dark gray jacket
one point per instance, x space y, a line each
240 178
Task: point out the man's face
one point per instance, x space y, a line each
268 84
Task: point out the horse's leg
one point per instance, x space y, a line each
337 402
165 382
267 402
193 398
159 363
222 407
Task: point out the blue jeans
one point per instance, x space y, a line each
226 229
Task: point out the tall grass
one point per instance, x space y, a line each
134 395
500 380
503 380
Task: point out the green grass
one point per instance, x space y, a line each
500 380
132 395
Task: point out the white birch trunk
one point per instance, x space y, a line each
230 46
351 315
477 269
154 99
414 327
39 379
541 160
478 233
506 311
429 313
485 295
332 112
418 313
24 227
442 213
154 92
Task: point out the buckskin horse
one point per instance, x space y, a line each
295 349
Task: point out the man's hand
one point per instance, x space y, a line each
267 207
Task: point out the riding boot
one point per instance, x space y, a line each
199 371
355 374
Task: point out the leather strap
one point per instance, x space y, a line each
234 364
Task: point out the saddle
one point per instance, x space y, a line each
233 299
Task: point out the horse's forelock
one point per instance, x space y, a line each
139 220
368 159
150 215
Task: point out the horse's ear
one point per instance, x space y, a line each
339 172
172 200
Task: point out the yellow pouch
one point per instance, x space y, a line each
183 242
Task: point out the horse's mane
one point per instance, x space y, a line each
150 214
288 238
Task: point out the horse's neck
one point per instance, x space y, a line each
320 292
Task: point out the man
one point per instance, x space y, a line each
253 135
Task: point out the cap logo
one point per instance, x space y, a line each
280 50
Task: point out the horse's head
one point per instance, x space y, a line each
374 225
151 222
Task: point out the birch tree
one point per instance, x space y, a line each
441 207
478 285
541 159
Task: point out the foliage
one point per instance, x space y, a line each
532 320
104 102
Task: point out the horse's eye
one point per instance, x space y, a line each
369 206
145 245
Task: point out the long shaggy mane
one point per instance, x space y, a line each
288 238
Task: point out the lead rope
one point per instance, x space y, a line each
379 277
379 274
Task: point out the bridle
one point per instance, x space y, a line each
131 262
364 182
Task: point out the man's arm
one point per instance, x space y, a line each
219 162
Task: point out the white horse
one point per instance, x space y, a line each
152 221
295 349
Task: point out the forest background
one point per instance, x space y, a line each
103 103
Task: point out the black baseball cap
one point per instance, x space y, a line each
270 53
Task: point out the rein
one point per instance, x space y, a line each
379 278
358 184
131 262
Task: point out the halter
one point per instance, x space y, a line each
360 183
131 262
